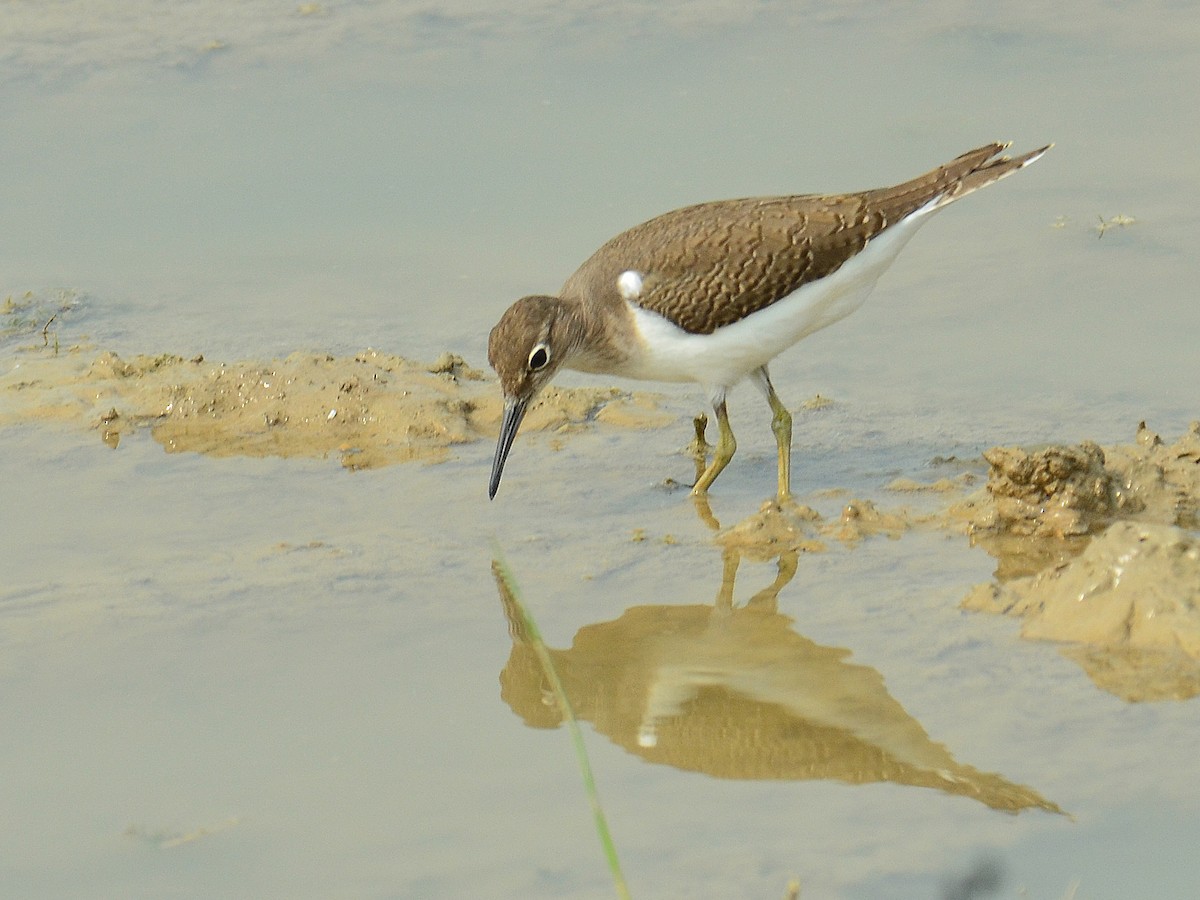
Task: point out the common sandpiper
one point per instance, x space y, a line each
712 293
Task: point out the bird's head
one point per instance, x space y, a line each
526 348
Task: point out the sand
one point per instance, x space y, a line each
370 409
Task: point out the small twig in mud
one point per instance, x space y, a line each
46 330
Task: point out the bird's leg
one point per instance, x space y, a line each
699 447
781 425
723 453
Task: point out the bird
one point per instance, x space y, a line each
711 293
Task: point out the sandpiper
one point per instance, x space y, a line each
712 293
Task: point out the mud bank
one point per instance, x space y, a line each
1127 609
1096 550
1072 491
369 410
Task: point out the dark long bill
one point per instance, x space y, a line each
514 412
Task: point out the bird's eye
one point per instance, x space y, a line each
538 357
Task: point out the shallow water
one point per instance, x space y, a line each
248 677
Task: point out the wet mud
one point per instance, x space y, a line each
1097 550
370 409
1127 608
1095 547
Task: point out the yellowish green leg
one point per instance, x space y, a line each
781 426
699 447
722 453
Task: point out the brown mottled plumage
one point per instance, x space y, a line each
707 268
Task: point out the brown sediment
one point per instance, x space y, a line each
1096 550
1041 507
941 486
780 527
371 409
776 529
1128 607
1073 491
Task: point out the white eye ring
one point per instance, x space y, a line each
539 357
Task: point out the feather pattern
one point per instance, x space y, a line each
707 266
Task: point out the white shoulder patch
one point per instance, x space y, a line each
629 284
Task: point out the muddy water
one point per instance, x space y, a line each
274 660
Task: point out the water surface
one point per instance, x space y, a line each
248 677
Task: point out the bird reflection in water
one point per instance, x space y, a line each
734 692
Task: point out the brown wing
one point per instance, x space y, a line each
709 265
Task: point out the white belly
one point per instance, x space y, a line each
668 353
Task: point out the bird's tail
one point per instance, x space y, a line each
996 167
952 181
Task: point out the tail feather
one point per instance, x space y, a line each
991 171
947 183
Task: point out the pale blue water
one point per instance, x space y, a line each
393 176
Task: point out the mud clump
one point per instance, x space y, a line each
1071 491
1056 492
776 529
1095 550
1129 604
1161 481
789 527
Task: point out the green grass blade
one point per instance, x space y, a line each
507 583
